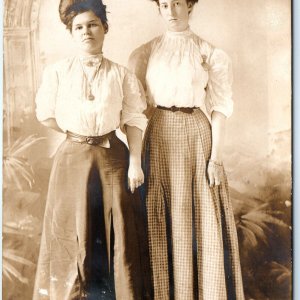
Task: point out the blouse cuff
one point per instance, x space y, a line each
226 111
138 120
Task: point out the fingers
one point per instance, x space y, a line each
214 180
217 180
135 177
215 175
134 183
211 178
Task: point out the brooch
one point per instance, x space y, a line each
204 64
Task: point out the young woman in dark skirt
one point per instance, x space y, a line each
192 235
92 191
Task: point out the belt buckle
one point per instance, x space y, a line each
91 140
174 108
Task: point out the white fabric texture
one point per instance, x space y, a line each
180 69
64 91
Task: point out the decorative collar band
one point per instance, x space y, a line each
183 33
91 60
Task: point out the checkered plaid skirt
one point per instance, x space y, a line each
192 236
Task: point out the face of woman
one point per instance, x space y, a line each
175 13
88 33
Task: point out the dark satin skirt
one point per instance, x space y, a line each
93 228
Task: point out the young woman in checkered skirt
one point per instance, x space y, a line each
192 236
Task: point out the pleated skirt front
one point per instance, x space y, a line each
191 228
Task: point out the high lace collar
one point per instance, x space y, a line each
91 60
183 33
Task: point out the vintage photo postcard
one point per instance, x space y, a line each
147 150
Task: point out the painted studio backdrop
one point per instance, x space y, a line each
255 34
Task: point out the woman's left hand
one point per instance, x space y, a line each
135 176
215 173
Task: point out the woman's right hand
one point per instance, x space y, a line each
135 176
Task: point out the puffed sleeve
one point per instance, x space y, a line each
46 95
138 62
218 90
134 103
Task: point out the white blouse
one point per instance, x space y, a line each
180 69
63 95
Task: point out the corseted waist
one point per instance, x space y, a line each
187 110
102 140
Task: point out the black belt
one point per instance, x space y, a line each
187 110
91 140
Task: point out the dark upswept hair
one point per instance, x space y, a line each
69 9
187 1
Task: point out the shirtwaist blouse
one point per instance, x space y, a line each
197 72
63 96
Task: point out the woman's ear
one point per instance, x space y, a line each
190 7
105 28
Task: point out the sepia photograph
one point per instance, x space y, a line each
147 150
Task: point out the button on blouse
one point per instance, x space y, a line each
63 95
